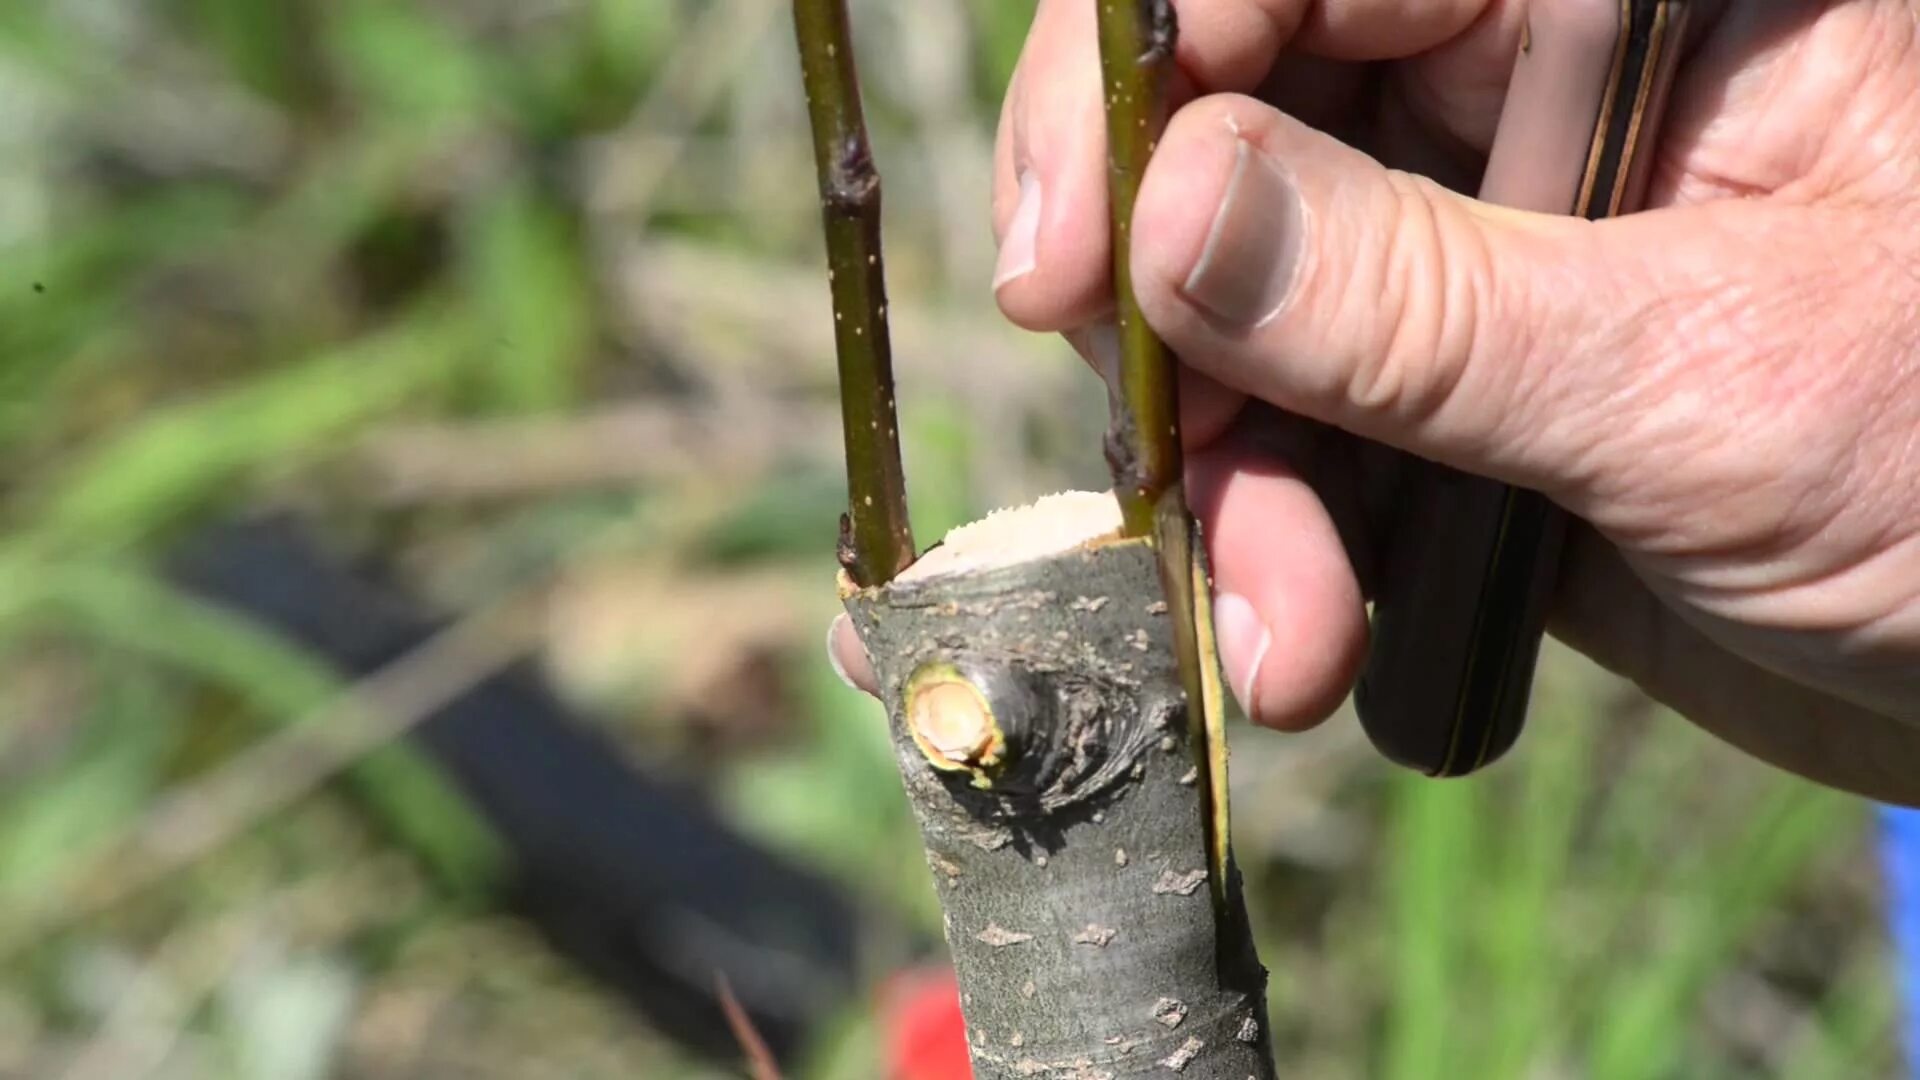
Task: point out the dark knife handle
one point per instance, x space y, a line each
1472 562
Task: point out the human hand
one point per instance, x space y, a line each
1726 390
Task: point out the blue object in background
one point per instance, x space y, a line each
1900 862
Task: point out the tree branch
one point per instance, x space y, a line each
876 541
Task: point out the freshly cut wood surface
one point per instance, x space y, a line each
1053 524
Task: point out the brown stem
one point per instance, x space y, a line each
876 541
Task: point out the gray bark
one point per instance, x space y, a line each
1074 871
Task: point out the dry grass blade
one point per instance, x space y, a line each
760 1063
612 448
695 81
752 325
280 771
154 1009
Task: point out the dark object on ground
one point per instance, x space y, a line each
634 879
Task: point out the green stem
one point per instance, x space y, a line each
876 542
1143 443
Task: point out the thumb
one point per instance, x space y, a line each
1292 267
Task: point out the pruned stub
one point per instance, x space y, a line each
1031 713
1036 740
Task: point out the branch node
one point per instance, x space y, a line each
1163 32
952 722
852 183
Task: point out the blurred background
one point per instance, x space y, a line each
418 483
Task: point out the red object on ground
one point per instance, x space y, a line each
926 1037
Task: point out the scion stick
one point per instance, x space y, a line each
876 541
1143 443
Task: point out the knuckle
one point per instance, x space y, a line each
1425 325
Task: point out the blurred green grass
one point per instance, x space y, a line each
241 244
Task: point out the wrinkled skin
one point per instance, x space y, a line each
1726 390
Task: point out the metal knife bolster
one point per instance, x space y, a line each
1470 572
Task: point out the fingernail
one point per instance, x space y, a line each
1023 234
1247 267
1244 641
833 654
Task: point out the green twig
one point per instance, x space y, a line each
876 541
1143 443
